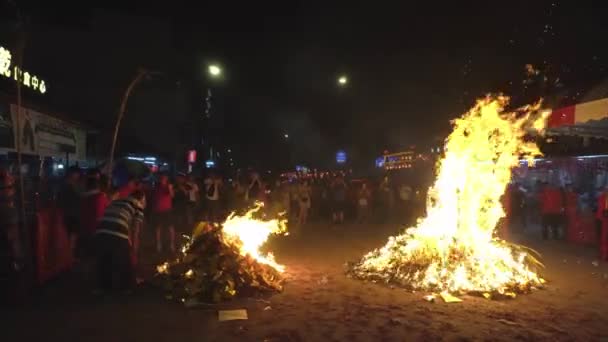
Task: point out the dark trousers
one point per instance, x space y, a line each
553 222
114 259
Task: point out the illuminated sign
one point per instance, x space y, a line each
21 76
192 156
401 160
341 157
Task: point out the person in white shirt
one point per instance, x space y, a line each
213 186
405 197
304 199
193 195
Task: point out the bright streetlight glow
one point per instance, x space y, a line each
343 80
214 70
286 135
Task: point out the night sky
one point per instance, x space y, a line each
411 69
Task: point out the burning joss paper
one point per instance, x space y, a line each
454 248
220 262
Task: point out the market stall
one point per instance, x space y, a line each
576 161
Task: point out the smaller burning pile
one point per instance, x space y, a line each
220 262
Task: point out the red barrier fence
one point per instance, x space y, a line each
52 244
580 227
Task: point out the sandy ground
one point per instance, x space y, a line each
321 304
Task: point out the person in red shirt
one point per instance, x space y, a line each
552 209
94 203
571 204
127 189
601 219
162 211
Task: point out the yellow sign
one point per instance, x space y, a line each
27 79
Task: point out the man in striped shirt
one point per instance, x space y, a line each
113 243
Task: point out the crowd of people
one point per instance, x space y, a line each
104 221
554 209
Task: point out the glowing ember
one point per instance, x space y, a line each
249 234
163 268
453 249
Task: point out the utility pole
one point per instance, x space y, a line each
121 112
24 228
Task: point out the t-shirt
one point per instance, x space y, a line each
364 196
120 216
551 201
304 193
340 192
255 191
212 189
192 190
181 196
94 204
162 199
405 193
126 190
69 201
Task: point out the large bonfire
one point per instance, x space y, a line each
454 248
222 261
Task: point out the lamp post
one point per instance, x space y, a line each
214 70
141 73
214 73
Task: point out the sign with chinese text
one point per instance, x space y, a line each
13 71
45 135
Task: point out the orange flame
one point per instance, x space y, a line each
249 234
453 248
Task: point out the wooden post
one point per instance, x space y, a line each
121 112
24 236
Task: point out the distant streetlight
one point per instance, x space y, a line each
343 80
286 136
214 70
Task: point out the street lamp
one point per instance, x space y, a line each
214 70
343 80
286 136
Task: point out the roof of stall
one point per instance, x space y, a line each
588 119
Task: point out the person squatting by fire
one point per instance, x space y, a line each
113 242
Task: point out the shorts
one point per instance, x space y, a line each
305 203
163 219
